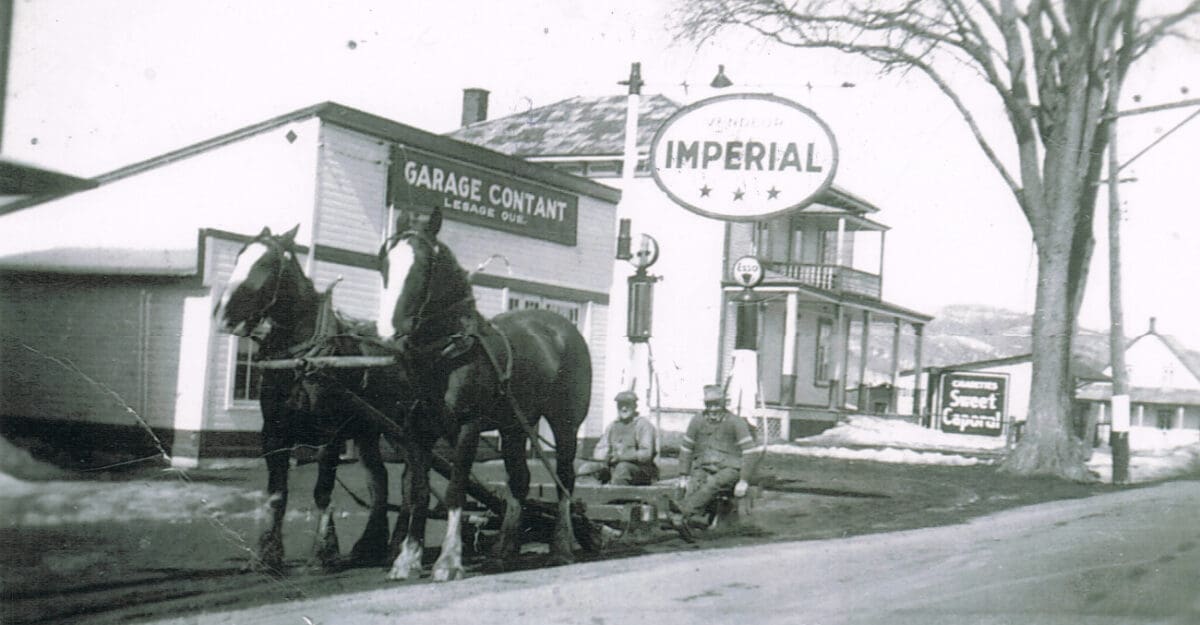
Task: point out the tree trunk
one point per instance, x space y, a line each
1048 445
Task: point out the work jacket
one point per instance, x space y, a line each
716 440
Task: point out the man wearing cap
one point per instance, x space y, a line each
710 458
625 454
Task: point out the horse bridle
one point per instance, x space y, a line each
258 315
419 317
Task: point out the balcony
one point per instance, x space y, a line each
830 277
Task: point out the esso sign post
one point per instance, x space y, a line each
748 272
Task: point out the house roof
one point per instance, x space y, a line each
1190 359
579 126
1174 397
586 127
1080 369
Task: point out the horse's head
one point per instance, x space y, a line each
422 281
267 274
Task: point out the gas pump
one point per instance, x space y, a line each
639 374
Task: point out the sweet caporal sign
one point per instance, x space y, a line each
743 157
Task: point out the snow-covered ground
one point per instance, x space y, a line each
1155 454
34 493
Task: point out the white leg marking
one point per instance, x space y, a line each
408 563
449 564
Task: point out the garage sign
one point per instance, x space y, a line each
973 403
744 157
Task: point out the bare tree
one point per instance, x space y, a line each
1048 63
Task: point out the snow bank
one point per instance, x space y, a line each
864 430
1154 454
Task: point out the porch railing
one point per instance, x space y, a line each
830 277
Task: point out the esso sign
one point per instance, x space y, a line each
747 271
743 157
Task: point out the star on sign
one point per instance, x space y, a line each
737 195
704 191
772 193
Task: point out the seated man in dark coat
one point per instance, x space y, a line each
711 457
624 455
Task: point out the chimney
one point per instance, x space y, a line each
1152 331
474 108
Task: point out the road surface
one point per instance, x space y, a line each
1127 557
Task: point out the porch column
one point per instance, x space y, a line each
841 234
895 366
837 384
787 378
918 405
1179 418
863 351
844 370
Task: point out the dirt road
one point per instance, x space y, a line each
153 544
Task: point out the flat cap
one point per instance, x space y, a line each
626 397
713 392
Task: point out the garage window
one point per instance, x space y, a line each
566 308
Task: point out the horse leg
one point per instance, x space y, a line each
371 547
512 446
564 466
400 529
269 556
449 563
325 546
416 469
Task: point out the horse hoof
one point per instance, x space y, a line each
447 574
401 574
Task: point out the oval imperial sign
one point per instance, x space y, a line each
743 157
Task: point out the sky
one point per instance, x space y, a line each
98 84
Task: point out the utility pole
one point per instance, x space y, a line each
1119 439
6 25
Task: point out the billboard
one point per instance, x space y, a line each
973 403
482 197
743 157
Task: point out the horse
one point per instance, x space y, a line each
268 284
474 375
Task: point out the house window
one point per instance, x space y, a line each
566 308
824 362
1165 416
247 379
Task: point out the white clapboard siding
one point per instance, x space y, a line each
356 294
586 266
597 337
351 190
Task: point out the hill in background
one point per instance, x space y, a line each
969 333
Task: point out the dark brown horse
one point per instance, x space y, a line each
268 284
474 376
